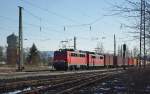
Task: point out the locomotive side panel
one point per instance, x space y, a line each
96 60
77 58
99 60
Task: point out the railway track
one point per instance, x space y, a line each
36 82
51 84
80 84
69 86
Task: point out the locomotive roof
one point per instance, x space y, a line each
81 51
72 50
66 49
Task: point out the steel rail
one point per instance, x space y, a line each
83 80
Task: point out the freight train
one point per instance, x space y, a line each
65 59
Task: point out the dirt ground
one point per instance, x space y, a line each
13 68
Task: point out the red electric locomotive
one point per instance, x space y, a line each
68 58
94 60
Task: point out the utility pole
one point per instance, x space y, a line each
141 32
121 51
115 59
124 55
114 45
144 31
20 66
75 43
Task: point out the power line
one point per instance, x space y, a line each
75 25
26 23
54 13
39 26
48 11
8 28
95 21
33 25
37 17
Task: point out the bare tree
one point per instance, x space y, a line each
132 11
99 48
135 52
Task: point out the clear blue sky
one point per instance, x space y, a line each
55 14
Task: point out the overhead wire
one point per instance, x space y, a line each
96 20
35 25
48 11
29 24
27 11
26 23
64 17
37 17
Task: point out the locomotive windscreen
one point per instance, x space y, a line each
60 56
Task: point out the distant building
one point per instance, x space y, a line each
12 54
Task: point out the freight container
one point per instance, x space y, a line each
119 61
108 60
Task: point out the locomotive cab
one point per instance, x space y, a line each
60 60
69 59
